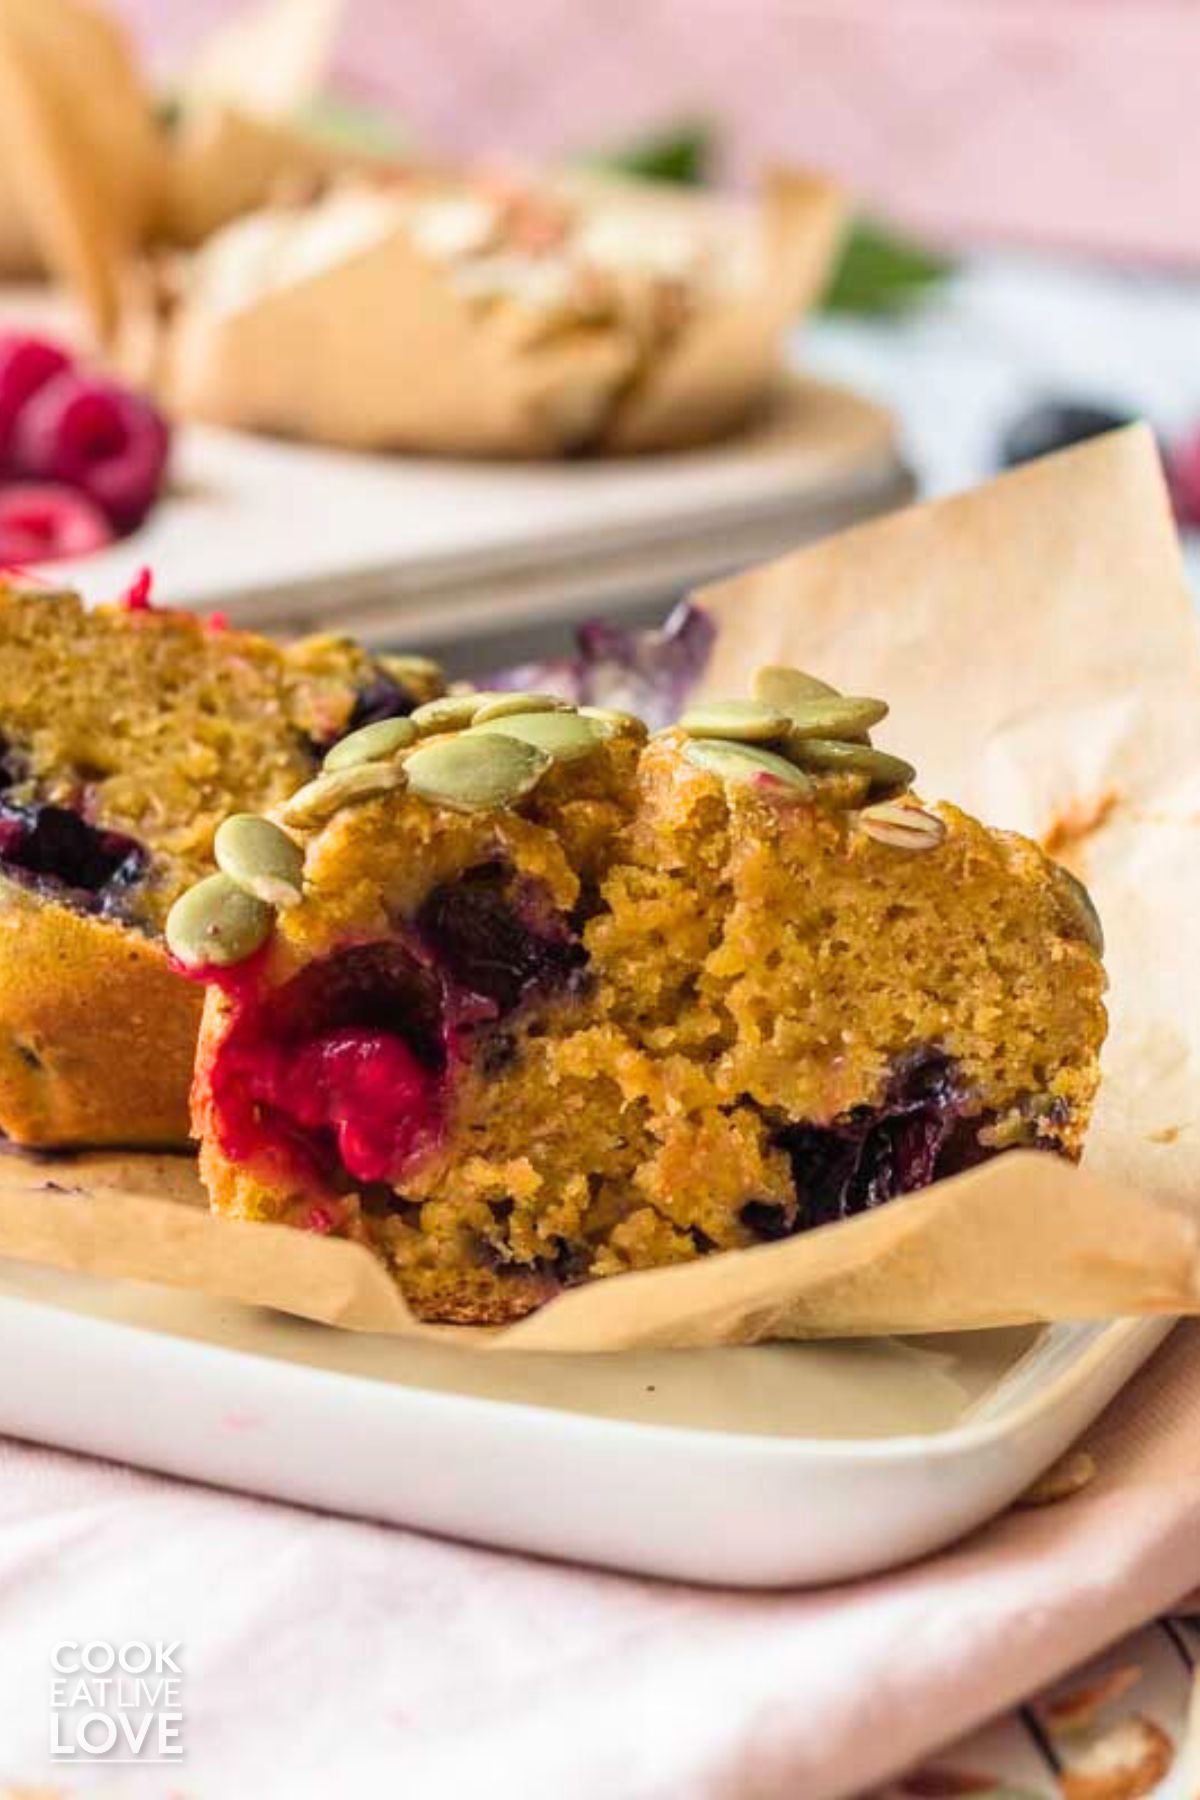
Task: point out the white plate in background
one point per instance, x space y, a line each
771 1466
290 537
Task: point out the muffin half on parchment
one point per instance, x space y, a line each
126 735
521 998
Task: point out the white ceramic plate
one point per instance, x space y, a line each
292 537
763 1467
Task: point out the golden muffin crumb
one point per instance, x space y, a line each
647 1011
127 734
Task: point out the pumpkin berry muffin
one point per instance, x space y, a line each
520 997
126 735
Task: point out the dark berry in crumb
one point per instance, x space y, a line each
59 853
26 365
490 947
98 437
40 522
873 1154
1051 425
382 698
767 1219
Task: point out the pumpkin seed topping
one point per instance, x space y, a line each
372 743
501 705
738 721
823 755
846 719
452 712
1081 906
261 859
783 688
902 824
615 719
217 923
477 772
737 762
405 667
318 800
563 736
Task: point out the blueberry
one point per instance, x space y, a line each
872 1154
58 853
492 946
382 698
1055 424
767 1219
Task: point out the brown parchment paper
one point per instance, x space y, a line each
378 350
83 159
88 177
1038 646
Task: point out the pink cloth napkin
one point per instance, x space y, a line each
322 1656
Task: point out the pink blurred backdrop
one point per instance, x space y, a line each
1065 121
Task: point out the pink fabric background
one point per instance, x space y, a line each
322 1656
1066 121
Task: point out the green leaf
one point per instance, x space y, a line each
682 153
355 125
882 271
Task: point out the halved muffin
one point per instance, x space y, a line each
541 1000
127 733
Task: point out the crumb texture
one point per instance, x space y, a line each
126 735
666 1016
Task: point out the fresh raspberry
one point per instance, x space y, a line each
98 437
1183 478
26 365
40 523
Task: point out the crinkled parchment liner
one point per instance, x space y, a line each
1037 644
380 350
83 159
237 140
87 176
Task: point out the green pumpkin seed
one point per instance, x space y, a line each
419 669
477 772
565 737
615 719
738 721
261 859
318 800
746 763
1080 905
846 719
903 824
501 706
217 922
783 688
453 712
372 743
825 755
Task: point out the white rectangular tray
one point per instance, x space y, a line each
772 1466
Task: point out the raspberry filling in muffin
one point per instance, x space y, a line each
344 1071
538 999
